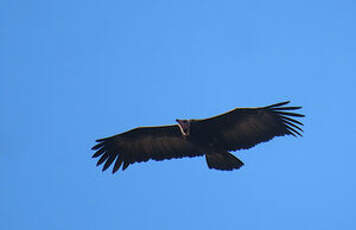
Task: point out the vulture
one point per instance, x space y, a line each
214 137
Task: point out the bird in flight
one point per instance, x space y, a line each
214 137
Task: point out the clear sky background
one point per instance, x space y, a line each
75 71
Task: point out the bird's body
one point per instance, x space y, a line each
241 128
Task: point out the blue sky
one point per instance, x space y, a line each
75 71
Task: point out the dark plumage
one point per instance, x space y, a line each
241 128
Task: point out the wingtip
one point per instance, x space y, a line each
97 153
277 104
117 165
95 147
102 159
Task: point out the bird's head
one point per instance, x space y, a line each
184 126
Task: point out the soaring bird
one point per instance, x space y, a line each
214 137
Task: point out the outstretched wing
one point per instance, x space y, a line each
141 144
243 128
